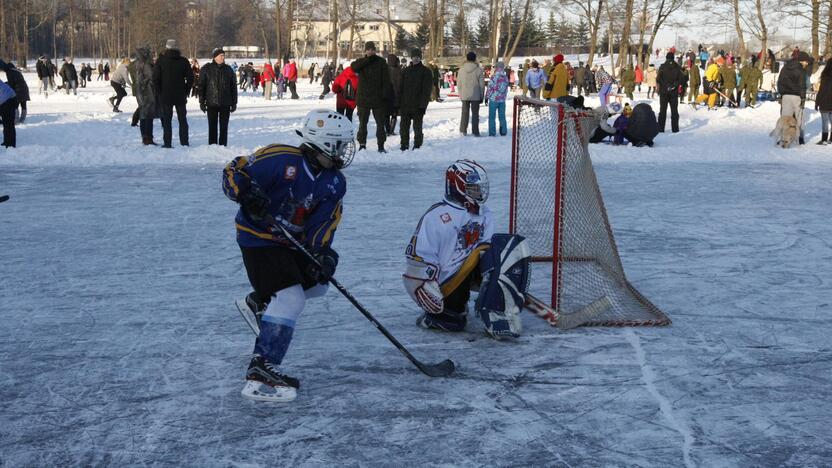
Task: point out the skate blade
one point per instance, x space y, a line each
248 316
257 391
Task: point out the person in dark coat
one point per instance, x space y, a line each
642 127
16 81
8 104
791 84
145 92
173 78
668 80
69 75
217 96
43 75
395 94
373 89
415 88
823 103
327 75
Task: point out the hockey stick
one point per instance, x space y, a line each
567 321
442 369
4 198
726 97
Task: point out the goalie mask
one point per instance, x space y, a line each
505 279
466 184
331 135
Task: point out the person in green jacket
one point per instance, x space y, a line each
521 75
695 80
628 81
729 81
751 82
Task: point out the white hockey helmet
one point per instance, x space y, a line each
331 134
614 108
466 184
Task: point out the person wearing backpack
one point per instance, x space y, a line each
668 80
344 87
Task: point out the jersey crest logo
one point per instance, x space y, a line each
469 234
445 217
291 173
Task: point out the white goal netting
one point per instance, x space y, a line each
557 205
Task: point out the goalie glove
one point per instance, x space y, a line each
429 297
420 282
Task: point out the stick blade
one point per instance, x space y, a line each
442 369
4 198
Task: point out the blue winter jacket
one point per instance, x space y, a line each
6 92
308 205
535 78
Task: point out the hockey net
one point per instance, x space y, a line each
555 202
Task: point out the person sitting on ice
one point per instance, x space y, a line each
620 125
455 250
602 115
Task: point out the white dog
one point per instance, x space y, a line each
785 132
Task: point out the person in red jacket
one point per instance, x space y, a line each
266 80
344 87
290 71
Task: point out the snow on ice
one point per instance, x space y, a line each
120 344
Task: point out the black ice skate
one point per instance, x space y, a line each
265 383
251 312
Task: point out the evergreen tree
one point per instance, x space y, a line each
461 32
551 29
582 35
482 37
422 36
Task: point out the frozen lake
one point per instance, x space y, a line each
120 344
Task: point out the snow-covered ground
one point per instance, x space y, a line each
120 344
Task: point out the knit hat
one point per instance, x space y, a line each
370 45
558 58
627 109
670 56
217 51
501 65
720 61
471 56
170 44
416 53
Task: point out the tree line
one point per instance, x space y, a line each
108 29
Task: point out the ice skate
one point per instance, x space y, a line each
265 383
251 313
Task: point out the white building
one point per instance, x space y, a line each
312 34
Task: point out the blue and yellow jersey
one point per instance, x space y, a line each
308 205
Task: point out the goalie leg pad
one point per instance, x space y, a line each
505 271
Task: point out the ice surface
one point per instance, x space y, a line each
120 344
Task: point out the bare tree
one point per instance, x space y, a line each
590 10
661 11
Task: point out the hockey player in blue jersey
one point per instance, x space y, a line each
454 250
300 187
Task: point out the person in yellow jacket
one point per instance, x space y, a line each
712 76
558 80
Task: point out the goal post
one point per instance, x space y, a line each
556 203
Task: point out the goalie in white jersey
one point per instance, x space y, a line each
450 254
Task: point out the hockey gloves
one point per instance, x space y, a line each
255 202
429 297
327 262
